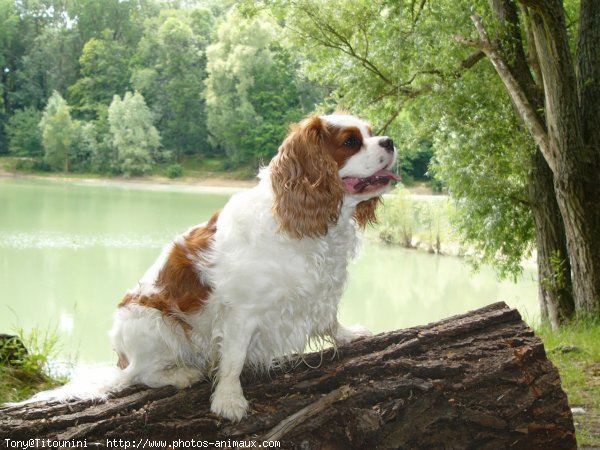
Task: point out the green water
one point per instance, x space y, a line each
69 251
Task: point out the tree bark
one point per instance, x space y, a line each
588 70
588 79
480 381
555 287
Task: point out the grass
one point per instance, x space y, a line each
575 351
25 372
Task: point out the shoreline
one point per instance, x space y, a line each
210 184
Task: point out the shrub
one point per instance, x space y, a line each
174 171
32 165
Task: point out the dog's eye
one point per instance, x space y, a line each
351 142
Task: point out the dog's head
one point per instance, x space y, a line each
322 160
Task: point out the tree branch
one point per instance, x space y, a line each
344 45
533 55
515 90
419 11
389 121
472 60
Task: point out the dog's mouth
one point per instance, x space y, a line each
369 184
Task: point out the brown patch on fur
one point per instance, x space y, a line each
180 284
336 143
365 212
304 175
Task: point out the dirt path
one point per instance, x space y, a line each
210 183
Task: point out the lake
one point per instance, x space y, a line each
69 251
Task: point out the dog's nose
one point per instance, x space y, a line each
387 143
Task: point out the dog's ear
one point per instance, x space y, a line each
308 190
365 212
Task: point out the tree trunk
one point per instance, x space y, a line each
575 162
554 268
478 381
588 78
555 287
588 71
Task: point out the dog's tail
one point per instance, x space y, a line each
87 383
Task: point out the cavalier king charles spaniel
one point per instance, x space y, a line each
263 276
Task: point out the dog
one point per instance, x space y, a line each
263 276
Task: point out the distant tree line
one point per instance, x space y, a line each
115 86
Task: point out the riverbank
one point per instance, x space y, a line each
210 183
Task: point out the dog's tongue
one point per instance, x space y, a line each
358 185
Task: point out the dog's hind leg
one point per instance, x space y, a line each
153 350
180 377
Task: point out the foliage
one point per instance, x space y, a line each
32 165
24 133
376 55
170 70
133 134
413 221
84 146
174 171
396 221
30 374
8 39
557 279
124 18
482 157
104 73
415 150
58 132
49 65
250 92
91 50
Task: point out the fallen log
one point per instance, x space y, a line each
479 380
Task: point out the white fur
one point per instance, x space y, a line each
272 295
345 120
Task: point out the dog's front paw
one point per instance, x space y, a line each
346 335
229 402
